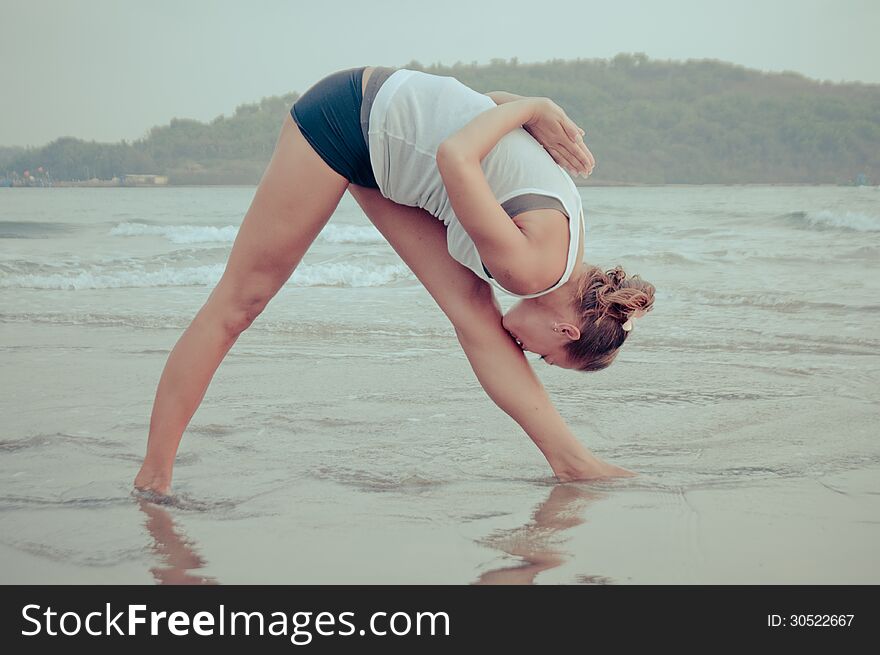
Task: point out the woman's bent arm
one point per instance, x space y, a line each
518 257
484 131
500 97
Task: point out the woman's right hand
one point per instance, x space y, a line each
592 469
560 136
153 479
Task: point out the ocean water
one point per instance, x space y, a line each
345 438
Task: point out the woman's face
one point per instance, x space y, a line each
532 324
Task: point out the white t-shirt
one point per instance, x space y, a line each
412 113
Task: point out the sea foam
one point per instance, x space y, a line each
829 220
211 234
335 274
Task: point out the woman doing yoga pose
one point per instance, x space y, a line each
412 148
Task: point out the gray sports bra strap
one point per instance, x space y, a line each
377 77
525 202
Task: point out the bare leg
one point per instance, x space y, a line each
294 200
420 240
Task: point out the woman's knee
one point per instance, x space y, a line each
236 306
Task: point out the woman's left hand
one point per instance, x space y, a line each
560 136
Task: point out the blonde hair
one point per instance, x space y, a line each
604 300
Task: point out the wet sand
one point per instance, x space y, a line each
345 439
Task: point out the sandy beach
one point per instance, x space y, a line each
345 439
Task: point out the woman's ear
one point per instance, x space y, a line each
569 330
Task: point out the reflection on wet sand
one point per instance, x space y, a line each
175 551
539 543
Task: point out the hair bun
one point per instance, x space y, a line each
599 294
616 276
619 296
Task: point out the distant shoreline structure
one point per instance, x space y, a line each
111 184
650 121
43 181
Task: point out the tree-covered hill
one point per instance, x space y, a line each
647 121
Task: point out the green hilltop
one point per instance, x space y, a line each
647 121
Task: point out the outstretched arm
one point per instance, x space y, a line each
499 364
509 380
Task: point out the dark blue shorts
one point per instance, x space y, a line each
329 116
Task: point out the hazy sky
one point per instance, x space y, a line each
111 69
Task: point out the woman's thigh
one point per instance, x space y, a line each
420 240
294 200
